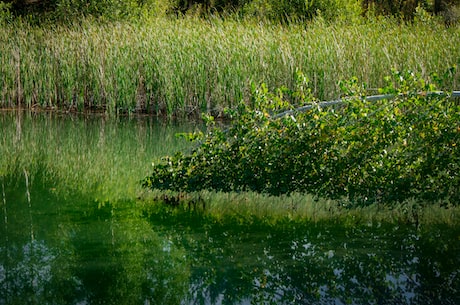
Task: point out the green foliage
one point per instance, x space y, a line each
274 10
116 9
367 151
186 66
284 10
108 10
205 7
5 12
70 11
402 8
294 10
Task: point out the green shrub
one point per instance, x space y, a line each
205 7
293 10
276 10
5 12
387 150
70 11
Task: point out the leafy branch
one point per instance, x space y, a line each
389 149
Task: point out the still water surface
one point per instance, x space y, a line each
72 233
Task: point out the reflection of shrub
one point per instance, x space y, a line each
391 149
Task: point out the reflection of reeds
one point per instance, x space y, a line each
188 65
96 156
26 176
5 212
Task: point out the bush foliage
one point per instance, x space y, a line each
366 151
278 10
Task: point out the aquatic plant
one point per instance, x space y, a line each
187 66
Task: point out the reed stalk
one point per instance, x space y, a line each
189 65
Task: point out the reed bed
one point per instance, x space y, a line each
188 65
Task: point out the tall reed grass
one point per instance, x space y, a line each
189 65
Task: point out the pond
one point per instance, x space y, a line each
73 232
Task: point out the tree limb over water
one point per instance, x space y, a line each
367 150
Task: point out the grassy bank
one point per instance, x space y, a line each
188 66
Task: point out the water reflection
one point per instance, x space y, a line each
57 248
82 252
317 263
88 253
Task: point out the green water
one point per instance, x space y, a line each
72 232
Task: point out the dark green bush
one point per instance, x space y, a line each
300 9
204 7
5 12
73 10
276 10
387 150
